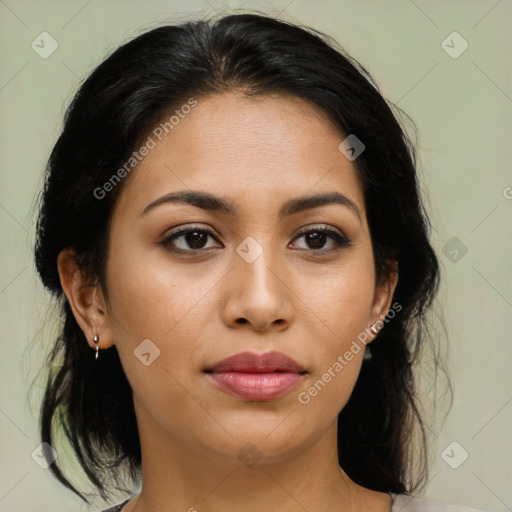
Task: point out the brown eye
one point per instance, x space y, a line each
190 239
316 239
194 239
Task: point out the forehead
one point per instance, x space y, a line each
267 148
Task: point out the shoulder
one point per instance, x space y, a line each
404 503
116 508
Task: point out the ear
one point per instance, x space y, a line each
86 300
382 298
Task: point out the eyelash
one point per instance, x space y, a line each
340 240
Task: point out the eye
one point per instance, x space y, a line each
192 239
316 238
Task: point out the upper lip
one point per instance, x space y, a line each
257 363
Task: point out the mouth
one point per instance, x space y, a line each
256 377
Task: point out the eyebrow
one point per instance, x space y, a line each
211 202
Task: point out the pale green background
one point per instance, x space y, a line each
462 108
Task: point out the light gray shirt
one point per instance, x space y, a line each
403 503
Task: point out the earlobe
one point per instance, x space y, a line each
85 300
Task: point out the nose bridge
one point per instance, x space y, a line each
258 264
261 295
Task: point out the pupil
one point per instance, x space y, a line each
317 239
194 239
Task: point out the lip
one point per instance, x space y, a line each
259 377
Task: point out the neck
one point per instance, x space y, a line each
177 476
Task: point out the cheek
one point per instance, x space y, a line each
151 297
340 296
338 352
168 305
342 301
330 388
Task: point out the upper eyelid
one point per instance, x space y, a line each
322 226
325 227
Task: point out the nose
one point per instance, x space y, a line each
258 294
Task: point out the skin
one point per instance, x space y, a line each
307 302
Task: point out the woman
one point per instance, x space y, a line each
232 222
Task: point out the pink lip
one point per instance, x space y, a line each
256 377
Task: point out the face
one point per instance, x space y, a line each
259 274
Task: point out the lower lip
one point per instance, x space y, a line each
256 386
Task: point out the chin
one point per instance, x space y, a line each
263 443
